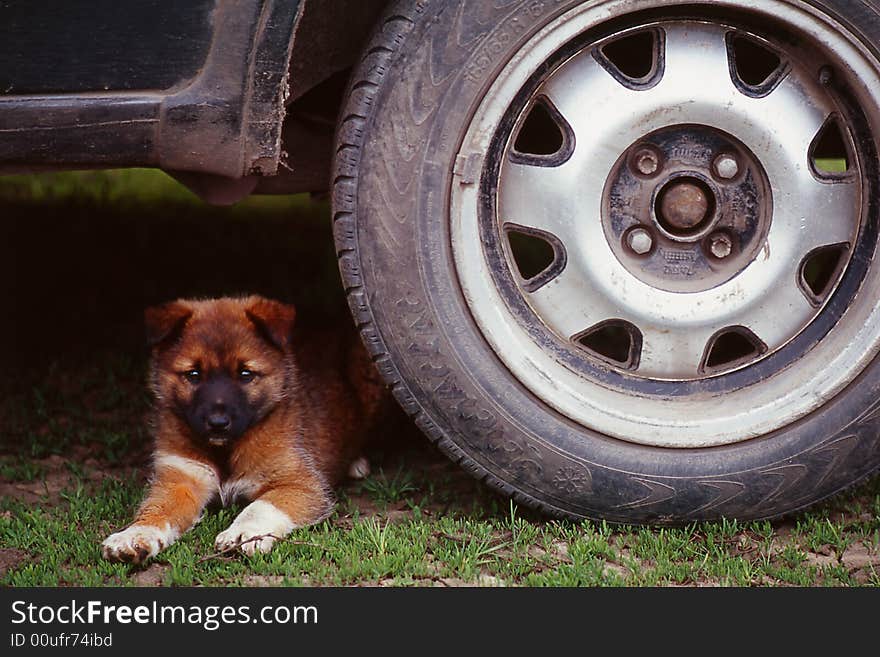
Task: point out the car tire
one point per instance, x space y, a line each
504 381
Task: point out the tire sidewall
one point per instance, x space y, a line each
446 372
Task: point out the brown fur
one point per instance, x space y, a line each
315 394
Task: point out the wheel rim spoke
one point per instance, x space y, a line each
787 142
697 63
583 83
570 305
780 316
538 197
825 213
673 354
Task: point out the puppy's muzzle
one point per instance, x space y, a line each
219 422
219 411
217 426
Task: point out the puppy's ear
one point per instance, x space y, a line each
273 320
165 322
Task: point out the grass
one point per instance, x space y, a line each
86 251
832 165
429 539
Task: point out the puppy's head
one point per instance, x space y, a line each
221 365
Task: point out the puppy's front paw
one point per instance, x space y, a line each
256 529
250 541
359 468
137 543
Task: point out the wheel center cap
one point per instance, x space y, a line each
684 205
681 224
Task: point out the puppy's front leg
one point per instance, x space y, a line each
275 513
180 490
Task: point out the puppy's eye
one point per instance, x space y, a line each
245 375
193 376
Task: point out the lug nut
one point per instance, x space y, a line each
726 166
639 241
720 245
647 162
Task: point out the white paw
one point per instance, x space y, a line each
250 541
359 468
137 543
256 529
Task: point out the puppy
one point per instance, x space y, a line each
245 407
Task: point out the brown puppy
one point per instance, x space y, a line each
247 409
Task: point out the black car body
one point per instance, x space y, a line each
222 93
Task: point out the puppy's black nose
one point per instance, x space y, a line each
219 421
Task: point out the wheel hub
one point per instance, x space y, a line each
704 227
684 206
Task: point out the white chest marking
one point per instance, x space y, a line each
234 489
